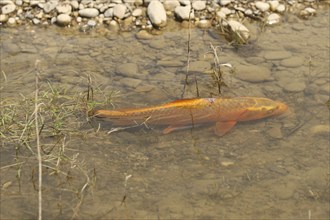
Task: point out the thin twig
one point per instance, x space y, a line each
38 140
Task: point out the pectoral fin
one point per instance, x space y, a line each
222 127
171 128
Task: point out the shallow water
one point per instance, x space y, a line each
276 168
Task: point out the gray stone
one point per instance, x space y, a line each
7 9
108 13
321 130
50 6
137 12
182 12
89 12
170 5
144 35
293 61
74 4
262 6
91 23
130 82
294 86
277 55
19 2
3 18
63 19
157 14
281 8
128 70
199 5
240 29
119 11
199 66
224 2
11 21
64 9
273 19
253 73
273 5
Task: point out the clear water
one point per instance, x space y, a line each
276 168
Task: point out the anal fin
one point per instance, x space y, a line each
222 127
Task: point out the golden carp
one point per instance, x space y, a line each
187 113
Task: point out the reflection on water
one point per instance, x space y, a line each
274 168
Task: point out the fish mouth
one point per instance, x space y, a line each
281 108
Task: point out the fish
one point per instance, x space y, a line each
224 113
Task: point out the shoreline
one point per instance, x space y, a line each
126 15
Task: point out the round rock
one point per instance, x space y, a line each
50 6
119 11
3 18
182 12
253 73
7 9
293 86
89 12
63 19
277 55
262 6
128 69
157 14
199 5
293 62
273 19
64 9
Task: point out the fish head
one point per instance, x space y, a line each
263 108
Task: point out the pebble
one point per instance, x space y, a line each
119 11
273 5
89 12
322 130
204 24
182 12
3 18
91 23
284 192
280 8
144 35
253 73
294 86
273 19
74 4
50 6
137 12
130 82
275 132
11 21
277 55
128 70
157 14
294 61
63 19
224 2
7 9
108 13
170 5
64 9
262 6
199 66
199 5
240 29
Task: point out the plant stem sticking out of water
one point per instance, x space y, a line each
188 60
36 111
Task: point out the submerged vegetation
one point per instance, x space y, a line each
39 127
